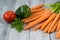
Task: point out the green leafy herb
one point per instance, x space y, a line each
56 7
18 24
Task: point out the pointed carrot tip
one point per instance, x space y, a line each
48 32
57 37
44 31
25 28
41 28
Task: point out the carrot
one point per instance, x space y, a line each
39 15
32 19
42 18
37 26
47 27
37 7
54 27
58 26
33 15
58 34
48 21
36 10
55 20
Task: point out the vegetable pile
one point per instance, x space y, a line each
45 19
14 18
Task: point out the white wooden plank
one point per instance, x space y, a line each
39 35
24 35
4 6
50 1
53 36
13 34
35 2
2 27
21 2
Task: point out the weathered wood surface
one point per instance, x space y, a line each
7 33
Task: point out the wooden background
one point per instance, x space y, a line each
6 33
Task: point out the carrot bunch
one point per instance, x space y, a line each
45 19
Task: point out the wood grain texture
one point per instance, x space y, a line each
35 2
3 25
50 1
5 5
39 35
14 35
53 36
21 2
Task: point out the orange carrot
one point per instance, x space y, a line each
42 18
39 15
54 27
58 26
37 26
36 10
37 7
55 20
58 34
47 27
48 21
33 15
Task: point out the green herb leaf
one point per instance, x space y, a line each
18 24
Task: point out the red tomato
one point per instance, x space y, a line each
9 16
